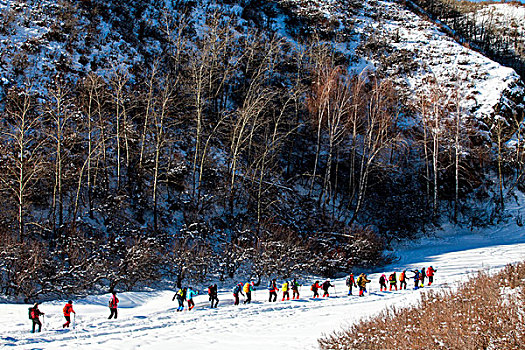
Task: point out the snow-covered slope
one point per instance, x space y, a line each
418 53
149 320
34 45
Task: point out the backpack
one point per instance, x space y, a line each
236 289
359 280
391 277
313 287
382 279
31 313
113 302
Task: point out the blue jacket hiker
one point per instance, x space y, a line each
190 293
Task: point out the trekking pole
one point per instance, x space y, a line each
43 322
335 290
74 320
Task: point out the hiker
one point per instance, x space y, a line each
190 293
314 288
295 289
247 289
403 280
326 284
430 274
416 279
285 288
180 295
382 283
113 304
236 291
350 282
361 282
392 280
212 293
272 289
34 314
68 309
422 277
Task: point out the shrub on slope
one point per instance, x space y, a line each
486 312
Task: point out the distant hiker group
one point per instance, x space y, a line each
246 289
418 278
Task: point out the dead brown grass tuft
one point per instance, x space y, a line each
487 312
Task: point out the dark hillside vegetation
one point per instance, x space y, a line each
188 142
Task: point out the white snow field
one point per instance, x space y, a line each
148 320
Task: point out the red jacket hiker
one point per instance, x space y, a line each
34 314
315 287
430 275
68 309
113 303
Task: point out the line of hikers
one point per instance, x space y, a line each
246 289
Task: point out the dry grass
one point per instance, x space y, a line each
487 312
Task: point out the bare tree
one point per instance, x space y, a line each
25 161
59 114
331 102
118 84
210 68
378 135
249 118
434 109
323 57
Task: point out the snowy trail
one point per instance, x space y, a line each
148 320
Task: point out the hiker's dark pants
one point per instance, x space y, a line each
113 312
36 321
274 295
214 299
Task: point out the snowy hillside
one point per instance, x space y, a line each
148 320
422 55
